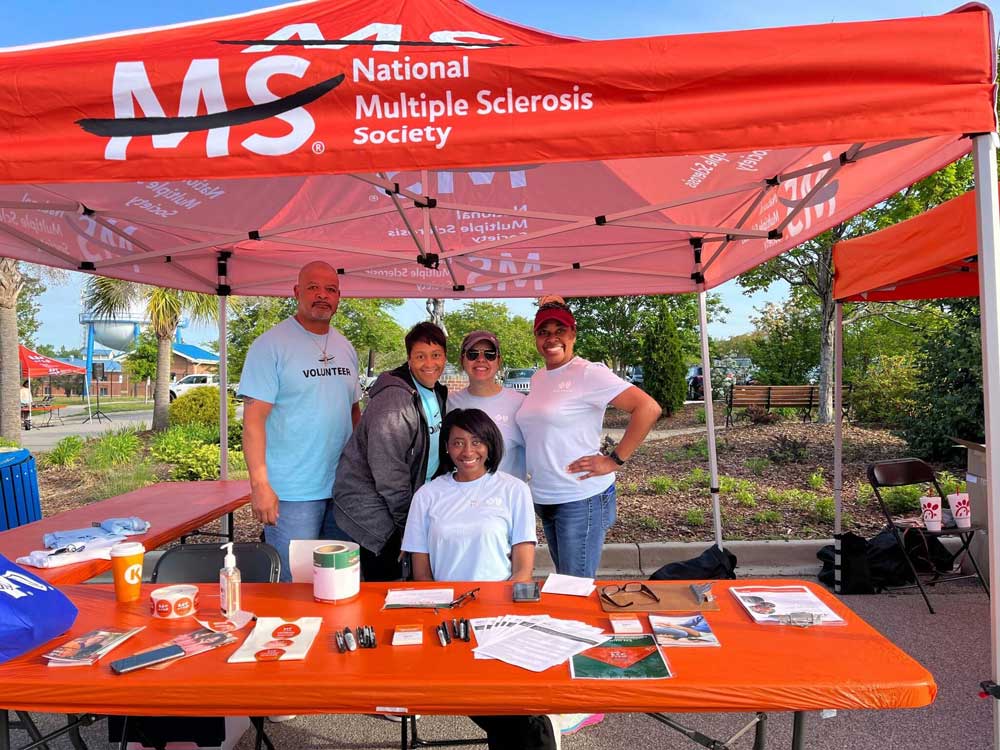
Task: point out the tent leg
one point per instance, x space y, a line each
838 440
223 398
988 241
706 387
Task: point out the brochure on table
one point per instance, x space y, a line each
785 605
623 657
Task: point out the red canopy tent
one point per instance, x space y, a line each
35 365
426 149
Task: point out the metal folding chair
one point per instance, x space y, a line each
908 471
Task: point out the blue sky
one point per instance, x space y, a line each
25 23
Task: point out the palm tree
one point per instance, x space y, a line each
109 297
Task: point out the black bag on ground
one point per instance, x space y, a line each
927 552
886 562
713 563
855 573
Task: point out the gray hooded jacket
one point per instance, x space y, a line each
385 461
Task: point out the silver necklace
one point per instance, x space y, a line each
322 349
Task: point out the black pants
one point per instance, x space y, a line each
517 732
383 566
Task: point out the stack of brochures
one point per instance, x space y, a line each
785 605
278 639
86 649
534 642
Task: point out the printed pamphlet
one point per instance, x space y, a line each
623 657
88 648
684 630
785 605
194 642
278 639
408 635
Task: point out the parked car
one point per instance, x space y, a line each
696 388
633 374
519 380
188 382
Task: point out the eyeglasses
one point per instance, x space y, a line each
458 602
633 587
473 354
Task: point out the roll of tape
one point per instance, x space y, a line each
174 602
336 571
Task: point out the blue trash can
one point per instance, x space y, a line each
19 501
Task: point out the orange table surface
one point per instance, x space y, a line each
172 509
757 667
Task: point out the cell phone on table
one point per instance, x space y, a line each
526 591
147 659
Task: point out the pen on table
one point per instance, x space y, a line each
454 629
441 635
72 547
341 645
465 630
371 636
352 645
444 629
362 637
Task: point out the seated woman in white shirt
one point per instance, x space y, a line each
474 523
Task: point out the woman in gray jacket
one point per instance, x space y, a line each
393 451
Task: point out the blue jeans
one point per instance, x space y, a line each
575 531
301 519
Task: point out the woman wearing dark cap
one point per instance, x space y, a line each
572 483
481 361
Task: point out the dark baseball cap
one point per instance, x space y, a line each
475 337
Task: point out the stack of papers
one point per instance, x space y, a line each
88 648
785 605
557 583
402 598
534 642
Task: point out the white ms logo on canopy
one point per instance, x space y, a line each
140 111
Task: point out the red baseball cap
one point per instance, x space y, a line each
558 314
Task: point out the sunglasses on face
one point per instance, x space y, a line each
473 354
609 592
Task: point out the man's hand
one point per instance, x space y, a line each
592 466
264 503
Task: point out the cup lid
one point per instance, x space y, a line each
123 549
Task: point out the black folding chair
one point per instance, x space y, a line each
908 471
199 563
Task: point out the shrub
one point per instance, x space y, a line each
124 479
816 479
823 509
885 395
116 448
757 466
745 498
662 485
201 462
173 444
950 483
236 435
865 493
787 450
902 500
731 485
694 517
697 449
699 416
66 452
649 523
200 405
699 478
6 443
767 516
760 415
629 488
662 360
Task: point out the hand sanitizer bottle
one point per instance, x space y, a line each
229 583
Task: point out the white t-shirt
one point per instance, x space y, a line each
468 528
561 420
501 408
310 421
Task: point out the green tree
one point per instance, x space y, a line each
28 306
70 384
663 365
164 307
517 342
808 268
248 318
369 326
140 363
786 351
609 329
949 392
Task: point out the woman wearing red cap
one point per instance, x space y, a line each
572 483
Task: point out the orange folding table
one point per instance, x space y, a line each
173 509
758 668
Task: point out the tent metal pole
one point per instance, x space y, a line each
223 397
988 241
706 388
838 440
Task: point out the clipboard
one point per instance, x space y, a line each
675 596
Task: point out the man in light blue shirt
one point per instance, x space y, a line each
300 403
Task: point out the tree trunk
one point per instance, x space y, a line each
828 308
161 391
11 282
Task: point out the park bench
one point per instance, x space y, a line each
767 397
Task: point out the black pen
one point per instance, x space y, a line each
444 629
465 630
341 646
371 636
454 629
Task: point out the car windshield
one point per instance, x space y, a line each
514 374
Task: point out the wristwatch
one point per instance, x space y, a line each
616 458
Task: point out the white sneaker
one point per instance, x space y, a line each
280 718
